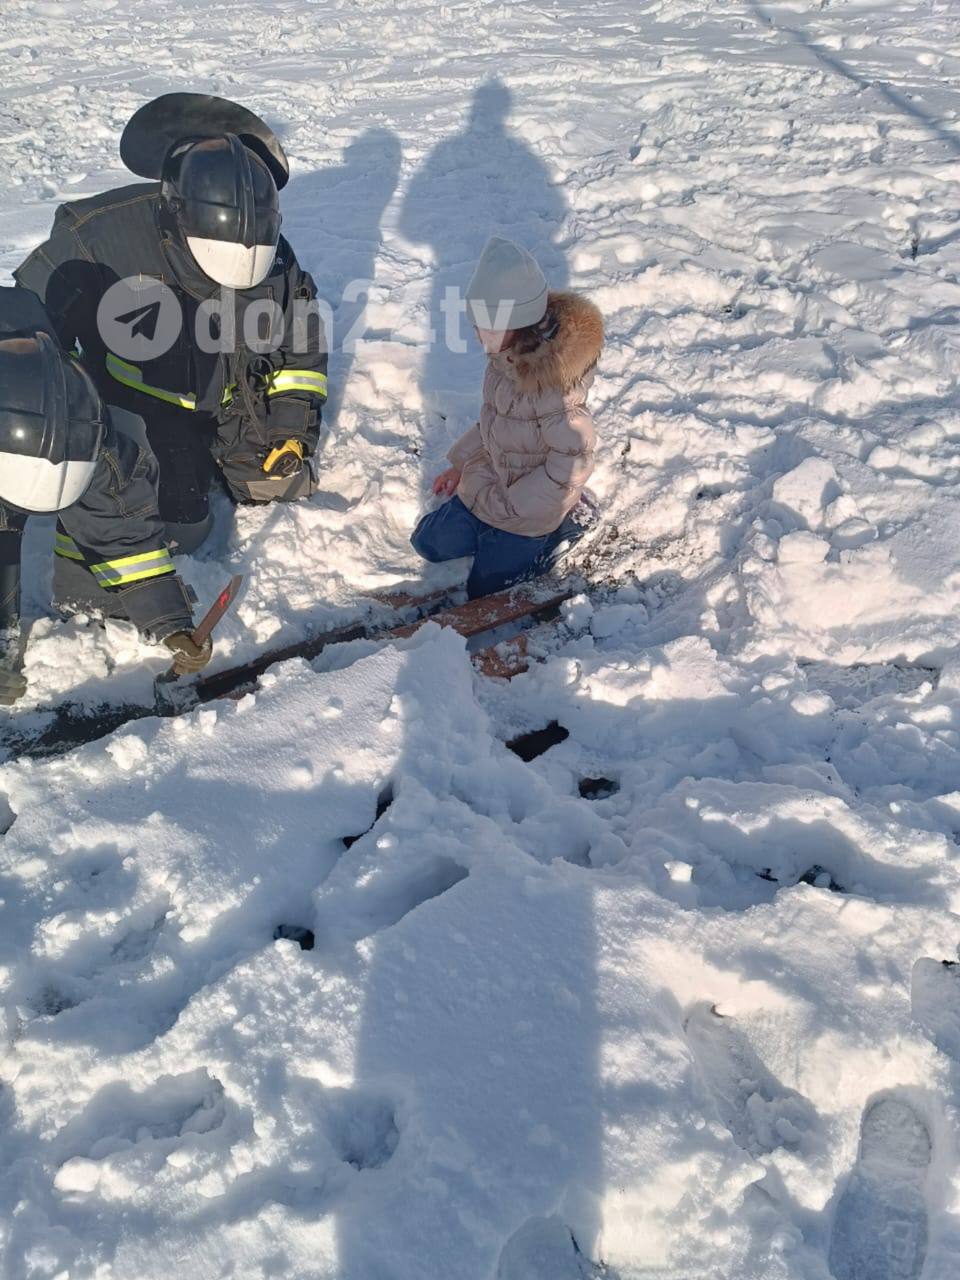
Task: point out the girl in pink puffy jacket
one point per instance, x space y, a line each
517 475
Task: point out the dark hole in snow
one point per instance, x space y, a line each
598 788
709 491
384 801
530 745
821 878
295 933
817 876
7 816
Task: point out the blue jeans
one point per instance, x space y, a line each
499 558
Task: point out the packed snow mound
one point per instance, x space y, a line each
332 963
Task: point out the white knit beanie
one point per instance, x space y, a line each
508 289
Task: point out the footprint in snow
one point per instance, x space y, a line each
362 1127
935 1002
101 873
67 988
880 1226
760 1113
140 938
52 1000
546 1249
119 1122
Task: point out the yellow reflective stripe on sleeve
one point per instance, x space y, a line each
148 564
284 380
297 380
66 547
131 376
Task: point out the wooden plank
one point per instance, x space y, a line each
503 661
405 599
490 612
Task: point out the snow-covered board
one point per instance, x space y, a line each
71 726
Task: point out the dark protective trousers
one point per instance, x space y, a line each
10 572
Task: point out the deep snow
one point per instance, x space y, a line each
698 1025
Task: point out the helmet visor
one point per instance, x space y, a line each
209 220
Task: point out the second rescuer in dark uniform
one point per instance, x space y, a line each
61 452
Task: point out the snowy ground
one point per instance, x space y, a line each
697 1024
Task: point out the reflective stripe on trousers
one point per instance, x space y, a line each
123 570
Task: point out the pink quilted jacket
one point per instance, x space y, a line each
526 461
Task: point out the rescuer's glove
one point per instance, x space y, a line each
188 657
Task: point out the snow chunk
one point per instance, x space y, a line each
690 668
128 751
808 489
802 548
614 618
79 1176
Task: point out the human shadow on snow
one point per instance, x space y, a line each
332 217
485 180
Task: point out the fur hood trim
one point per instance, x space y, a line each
560 361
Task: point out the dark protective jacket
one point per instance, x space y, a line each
240 403
115 529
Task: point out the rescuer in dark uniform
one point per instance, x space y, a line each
223 350
60 452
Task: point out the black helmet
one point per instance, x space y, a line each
219 200
51 425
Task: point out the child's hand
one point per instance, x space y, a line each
445 485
